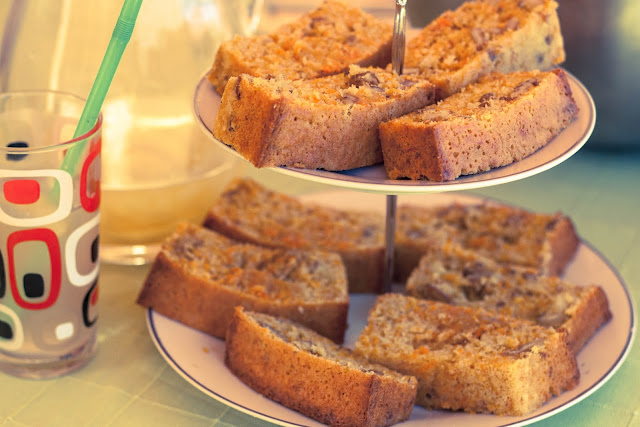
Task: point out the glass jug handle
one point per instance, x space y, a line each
9 38
255 12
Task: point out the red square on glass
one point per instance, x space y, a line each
22 191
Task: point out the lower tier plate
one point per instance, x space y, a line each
199 358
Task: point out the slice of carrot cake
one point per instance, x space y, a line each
304 371
506 234
200 276
494 122
461 277
467 358
326 123
321 42
483 36
250 212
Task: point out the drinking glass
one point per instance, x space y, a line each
49 233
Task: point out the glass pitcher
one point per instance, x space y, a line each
151 140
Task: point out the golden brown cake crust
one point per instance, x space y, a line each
178 289
592 314
249 212
499 120
563 245
321 42
262 111
347 392
468 359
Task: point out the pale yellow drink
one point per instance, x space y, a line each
158 169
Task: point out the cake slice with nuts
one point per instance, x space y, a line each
304 371
494 122
468 358
507 234
200 276
461 277
323 41
249 212
482 36
326 123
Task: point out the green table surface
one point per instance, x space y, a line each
129 383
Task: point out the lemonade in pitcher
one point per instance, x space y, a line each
159 170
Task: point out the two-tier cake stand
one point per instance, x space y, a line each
199 358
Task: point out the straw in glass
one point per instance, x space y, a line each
119 40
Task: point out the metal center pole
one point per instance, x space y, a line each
397 54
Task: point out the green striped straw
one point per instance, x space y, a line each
119 39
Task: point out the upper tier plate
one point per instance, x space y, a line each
374 178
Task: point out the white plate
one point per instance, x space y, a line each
374 178
199 358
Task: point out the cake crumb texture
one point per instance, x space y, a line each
200 276
483 36
467 358
326 123
462 277
507 234
500 119
321 42
250 212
